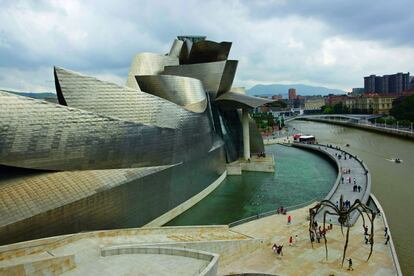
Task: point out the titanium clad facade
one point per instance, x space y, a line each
41 135
108 99
109 156
234 100
176 48
132 203
148 64
208 51
186 92
217 77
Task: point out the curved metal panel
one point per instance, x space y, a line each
208 51
109 99
62 188
148 64
41 135
217 77
233 100
70 202
186 92
176 48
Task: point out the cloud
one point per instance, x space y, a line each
331 43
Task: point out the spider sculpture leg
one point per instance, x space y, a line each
346 244
358 204
371 219
324 236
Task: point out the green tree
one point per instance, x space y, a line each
280 104
340 108
327 109
403 108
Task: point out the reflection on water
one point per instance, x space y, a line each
392 183
297 180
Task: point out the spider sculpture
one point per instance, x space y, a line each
343 214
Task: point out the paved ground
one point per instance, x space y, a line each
302 259
140 264
86 247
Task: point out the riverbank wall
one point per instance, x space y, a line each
382 130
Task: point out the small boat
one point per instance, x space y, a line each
347 145
397 160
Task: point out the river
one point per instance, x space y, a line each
297 180
392 183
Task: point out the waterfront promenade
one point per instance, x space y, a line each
359 176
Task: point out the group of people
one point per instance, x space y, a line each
347 204
367 237
281 210
318 233
357 188
277 249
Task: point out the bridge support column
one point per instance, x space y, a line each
246 133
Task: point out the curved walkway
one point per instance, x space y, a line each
359 175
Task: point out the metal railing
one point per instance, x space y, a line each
274 212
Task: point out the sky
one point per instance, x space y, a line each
327 43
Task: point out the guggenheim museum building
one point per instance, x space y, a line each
106 156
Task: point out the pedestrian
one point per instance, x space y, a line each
312 236
350 264
342 180
385 231
354 180
355 188
387 239
365 230
290 241
359 188
366 238
336 204
295 241
289 220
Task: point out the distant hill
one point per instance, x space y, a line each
33 94
301 89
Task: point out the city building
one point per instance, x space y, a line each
108 156
387 84
314 104
277 97
370 103
292 93
358 91
334 99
